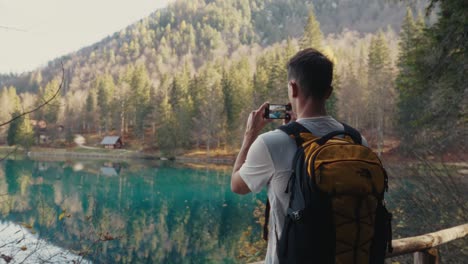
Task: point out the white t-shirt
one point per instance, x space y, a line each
269 163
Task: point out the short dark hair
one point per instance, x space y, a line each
313 72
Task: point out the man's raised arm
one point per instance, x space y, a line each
255 123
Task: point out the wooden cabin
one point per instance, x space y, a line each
112 142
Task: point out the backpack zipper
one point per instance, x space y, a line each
318 150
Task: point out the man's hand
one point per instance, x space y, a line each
255 123
292 117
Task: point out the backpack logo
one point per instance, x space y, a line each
364 172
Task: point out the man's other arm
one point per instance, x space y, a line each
237 183
255 124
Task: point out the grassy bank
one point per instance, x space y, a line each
12 152
216 156
84 153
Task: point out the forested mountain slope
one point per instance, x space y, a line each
197 31
186 76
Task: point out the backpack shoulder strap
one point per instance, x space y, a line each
350 130
294 130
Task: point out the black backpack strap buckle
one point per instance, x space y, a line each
295 215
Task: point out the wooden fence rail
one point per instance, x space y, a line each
424 246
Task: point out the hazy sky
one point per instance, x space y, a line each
32 32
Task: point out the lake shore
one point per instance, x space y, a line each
200 157
57 154
102 154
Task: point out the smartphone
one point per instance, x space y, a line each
277 111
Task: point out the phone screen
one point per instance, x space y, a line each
277 111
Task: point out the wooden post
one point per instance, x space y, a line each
430 256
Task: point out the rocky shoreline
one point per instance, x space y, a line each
58 154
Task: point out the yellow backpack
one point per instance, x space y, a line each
336 211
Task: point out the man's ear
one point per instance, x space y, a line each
294 89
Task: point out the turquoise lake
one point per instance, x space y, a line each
153 212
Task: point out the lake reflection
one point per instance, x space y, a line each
129 213
135 212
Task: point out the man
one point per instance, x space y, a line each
266 159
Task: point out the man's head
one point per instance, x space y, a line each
312 72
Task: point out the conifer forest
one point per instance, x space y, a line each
186 76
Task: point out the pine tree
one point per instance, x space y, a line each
289 50
352 102
407 34
209 119
332 101
49 112
25 133
261 80
182 106
232 106
238 97
105 90
166 136
9 102
278 77
90 108
4 102
122 101
20 131
313 36
196 91
13 98
381 86
443 60
12 135
13 105
141 86
410 90
408 45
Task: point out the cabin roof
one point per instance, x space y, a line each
108 171
110 140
